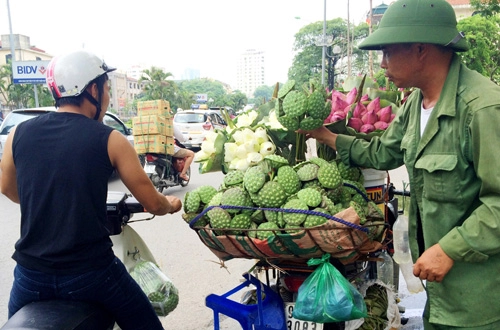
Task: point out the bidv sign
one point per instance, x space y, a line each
29 72
201 98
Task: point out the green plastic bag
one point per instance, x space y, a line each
327 296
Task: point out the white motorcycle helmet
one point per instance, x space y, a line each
68 75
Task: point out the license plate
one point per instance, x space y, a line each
294 324
149 169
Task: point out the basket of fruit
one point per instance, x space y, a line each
273 210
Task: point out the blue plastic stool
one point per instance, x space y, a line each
267 314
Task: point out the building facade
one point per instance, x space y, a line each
125 88
250 71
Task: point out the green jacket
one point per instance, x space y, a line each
454 174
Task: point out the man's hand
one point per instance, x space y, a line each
322 135
175 203
433 264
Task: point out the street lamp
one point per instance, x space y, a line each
333 58
324 42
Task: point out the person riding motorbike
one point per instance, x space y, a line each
52 165
183 156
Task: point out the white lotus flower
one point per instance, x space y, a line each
241 151
237 136
246 119
261 135
208 147
211 136
267 148
254 157
251 146
239 164
230 151
201 155
247 135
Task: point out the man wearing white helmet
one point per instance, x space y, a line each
57 167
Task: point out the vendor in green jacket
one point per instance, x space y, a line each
447 134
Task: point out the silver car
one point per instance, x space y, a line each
20 115
195 124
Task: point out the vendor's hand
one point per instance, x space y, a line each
433 264
322 135
175 203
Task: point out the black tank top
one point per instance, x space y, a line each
62 168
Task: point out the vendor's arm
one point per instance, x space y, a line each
124 158
8 181
478 236
323 136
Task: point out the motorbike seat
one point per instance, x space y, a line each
61 315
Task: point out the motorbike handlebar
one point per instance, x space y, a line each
133 205
120 208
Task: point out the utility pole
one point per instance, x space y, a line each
13 52
370 53
349 52
324 45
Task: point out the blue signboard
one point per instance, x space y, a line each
29 72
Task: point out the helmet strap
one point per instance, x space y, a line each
94 102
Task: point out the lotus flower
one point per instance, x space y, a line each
381 125
374 105
367 128
355 123
351 96
267 148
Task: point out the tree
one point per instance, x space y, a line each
45 99
214 89
307 61
486 8
263 93
483 35
157 86
236 100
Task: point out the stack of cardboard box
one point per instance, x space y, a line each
153 127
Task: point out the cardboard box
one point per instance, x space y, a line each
155 143
154 107
152 125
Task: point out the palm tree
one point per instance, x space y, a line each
157 86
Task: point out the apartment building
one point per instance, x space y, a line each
250 71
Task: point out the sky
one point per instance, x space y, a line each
206 35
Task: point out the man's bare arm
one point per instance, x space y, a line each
8 180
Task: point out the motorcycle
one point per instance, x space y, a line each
128 246
164 170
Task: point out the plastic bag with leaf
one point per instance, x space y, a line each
160 290
327 296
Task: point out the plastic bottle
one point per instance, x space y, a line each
385 268
413 283
402 254
400 240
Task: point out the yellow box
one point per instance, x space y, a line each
154 107
152 125
155 143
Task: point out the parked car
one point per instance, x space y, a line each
20 115
195 124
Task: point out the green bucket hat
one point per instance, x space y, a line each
425 21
